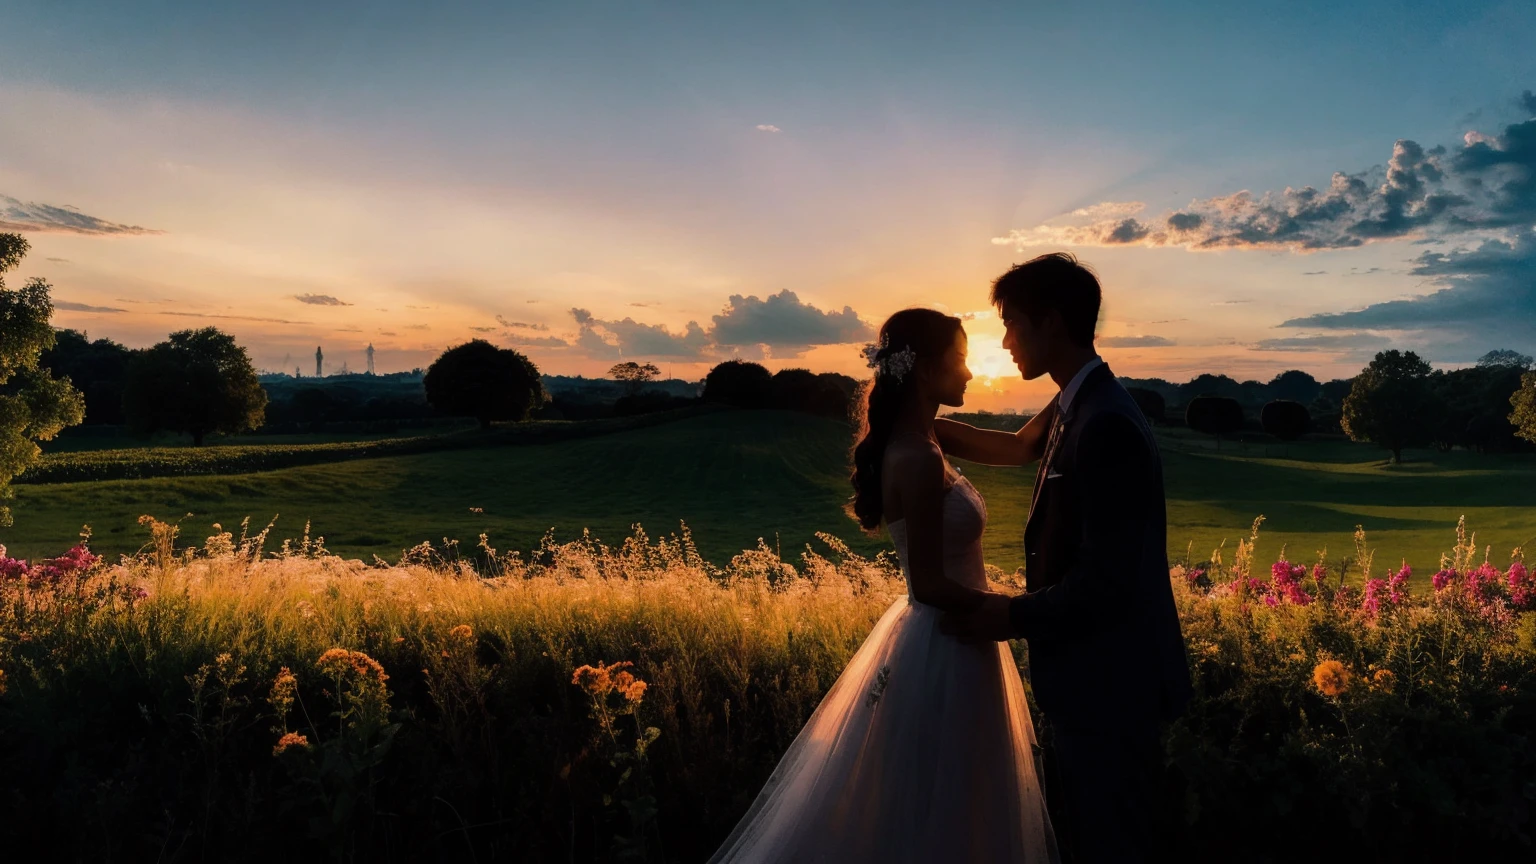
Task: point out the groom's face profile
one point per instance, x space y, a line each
1028 342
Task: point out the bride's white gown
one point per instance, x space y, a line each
922 750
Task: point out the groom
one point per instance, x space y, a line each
1106 658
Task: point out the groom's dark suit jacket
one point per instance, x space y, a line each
1104 641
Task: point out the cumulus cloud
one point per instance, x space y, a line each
630 338
785 324
70 306
320 300
1135 342
1487 182
29 216
768 127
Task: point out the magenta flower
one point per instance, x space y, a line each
1373 591
1398 584
1443 579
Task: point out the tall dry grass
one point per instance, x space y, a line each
217 701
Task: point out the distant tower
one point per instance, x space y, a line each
370 358
319 362
296 372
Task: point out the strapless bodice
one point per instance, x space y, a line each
965 518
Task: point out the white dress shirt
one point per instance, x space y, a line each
1070 391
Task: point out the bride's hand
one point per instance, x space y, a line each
986 623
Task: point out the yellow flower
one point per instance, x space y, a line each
291 739
336 662
461 633
1383 680
1331 678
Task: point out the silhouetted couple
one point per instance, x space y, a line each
924 749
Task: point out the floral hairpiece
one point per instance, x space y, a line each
896 364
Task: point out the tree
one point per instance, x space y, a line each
1390 403
1296 386
1214 415
1285 419
1524 404
1506 357
1150 402
197 382
479 380
34 405
741 383
634 375
97 369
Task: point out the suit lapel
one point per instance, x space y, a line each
1052 444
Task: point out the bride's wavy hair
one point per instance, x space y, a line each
929 334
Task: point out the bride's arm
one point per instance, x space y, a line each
917 478
991 447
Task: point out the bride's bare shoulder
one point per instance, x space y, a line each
914 457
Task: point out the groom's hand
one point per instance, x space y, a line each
986 623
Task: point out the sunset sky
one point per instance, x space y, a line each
1260 186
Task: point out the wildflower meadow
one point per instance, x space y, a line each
591 702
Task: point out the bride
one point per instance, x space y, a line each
923 748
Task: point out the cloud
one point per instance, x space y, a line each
57 260
1314 272
784 323
1487 182
537 341
1488 290
768 127
1335 342
70 306
1135 341
417 327
30 216
1527 101
630 338
230 317
320 300
484 329
519 325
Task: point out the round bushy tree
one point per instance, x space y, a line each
1391 403
479 380
741 383
1150 402
197 382
1285 419
1523 417
1214 415
1296 386
34 406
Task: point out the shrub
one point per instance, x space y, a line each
1150 402
1214 415
1285 420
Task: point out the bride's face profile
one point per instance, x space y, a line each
945 377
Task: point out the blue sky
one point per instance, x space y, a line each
660 165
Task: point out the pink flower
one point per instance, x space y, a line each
1399 584
1482 579
1373 591
1443 579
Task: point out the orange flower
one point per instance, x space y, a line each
336 662
461 633
283 689
1383 680
1331 678
292 739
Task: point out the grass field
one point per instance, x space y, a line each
737 476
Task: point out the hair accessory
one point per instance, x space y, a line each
896 364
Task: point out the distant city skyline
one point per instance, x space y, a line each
1261 188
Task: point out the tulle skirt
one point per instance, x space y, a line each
922 751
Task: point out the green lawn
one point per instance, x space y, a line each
737 476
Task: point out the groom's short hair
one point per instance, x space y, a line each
1053 281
